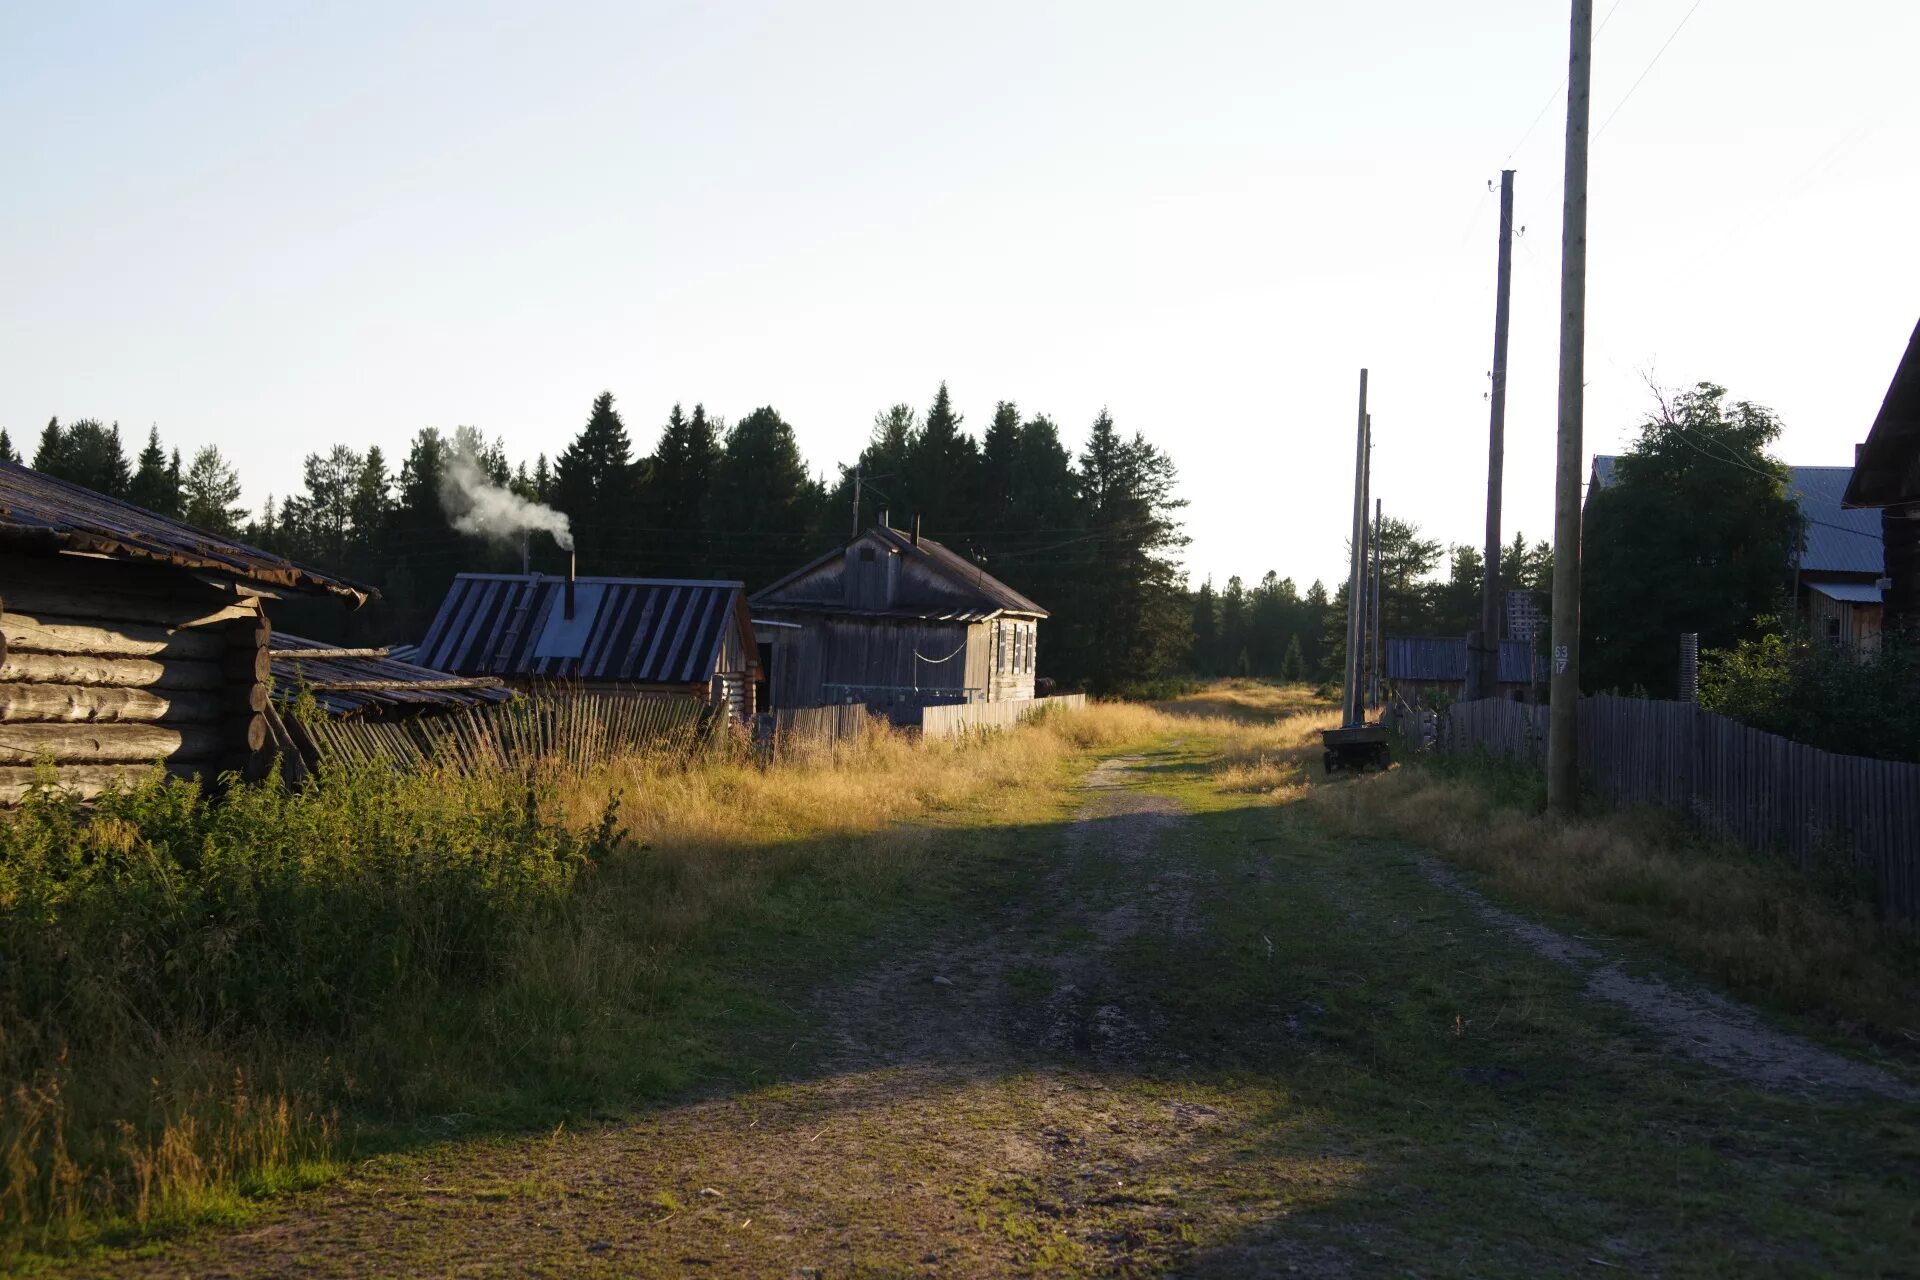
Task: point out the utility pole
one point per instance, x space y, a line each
856 504
1373 688
1563 724
1483 673
1350 713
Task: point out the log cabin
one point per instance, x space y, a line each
897 622
127 638
653 637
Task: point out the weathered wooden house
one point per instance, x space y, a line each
1886 475
897 622
658 637
130 638
1837 571
1419 667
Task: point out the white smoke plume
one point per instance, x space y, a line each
476 505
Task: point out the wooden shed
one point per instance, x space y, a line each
898 622
1420 666
649 636
130 638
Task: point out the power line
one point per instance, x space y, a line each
1561 88
1649 67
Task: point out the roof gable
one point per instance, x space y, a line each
1887 470
933 582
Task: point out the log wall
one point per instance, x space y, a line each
106 668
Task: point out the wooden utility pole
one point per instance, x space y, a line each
1350 712
1563 725
856 503
1483 672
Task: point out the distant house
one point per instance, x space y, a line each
897 622
1837 573
131 638
1419 666
650 636
1886 475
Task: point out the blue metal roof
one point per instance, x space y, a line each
1444 658
631 630
1838 540
1848 592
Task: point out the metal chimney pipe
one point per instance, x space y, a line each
916 529
886 518
572 561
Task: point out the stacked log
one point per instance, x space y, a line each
107 667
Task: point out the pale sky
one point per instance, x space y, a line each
278 227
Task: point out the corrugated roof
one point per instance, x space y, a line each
292 674
38 512
1443 658
1888 469
1838 539
1848 592
637 630
970 594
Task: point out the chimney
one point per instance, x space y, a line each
572 560
916 529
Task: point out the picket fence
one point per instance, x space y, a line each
795 727
1817 807
579 727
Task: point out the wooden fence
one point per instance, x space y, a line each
963 717
820 726
1768 792
580 727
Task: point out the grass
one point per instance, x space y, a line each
209 1002
670 954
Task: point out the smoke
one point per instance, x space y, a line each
476 505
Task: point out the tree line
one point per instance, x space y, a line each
1094 535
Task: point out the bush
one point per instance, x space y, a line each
1834 698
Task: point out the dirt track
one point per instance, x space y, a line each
1194 1047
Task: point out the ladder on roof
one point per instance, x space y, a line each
502 655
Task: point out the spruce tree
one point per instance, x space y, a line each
85 453
999 458
594 484
156 483
764 499
682 479
941 468
7 452
50 457
1293 667
1205 657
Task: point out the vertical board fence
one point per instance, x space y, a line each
964 717
1817 807
829 726
583 728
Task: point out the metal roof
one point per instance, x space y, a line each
1838 539
40 513
292 674
1848 592
1887 469
637 630
1444 658
971 593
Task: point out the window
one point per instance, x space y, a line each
866 555
1000 647
1831 625
1032 635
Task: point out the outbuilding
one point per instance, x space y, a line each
1886 475
656 637
131 638
898 622
1419 667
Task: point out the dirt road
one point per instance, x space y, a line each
1203 1041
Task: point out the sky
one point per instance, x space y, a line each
279 227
